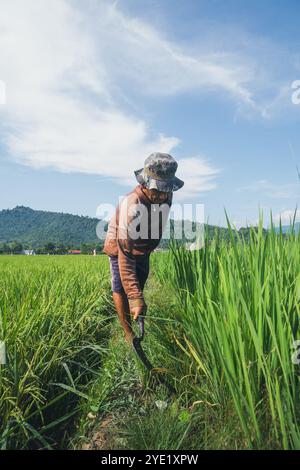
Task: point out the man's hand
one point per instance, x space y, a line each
136 311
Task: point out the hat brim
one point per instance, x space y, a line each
172 184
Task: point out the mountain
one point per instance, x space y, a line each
35 228
287 228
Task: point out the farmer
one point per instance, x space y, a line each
135 231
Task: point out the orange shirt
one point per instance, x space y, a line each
135 229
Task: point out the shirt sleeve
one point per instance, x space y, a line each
126 260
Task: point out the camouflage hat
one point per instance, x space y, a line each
159 173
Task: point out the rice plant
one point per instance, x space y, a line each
53 320
238 320
223 320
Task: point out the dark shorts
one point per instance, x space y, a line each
142 271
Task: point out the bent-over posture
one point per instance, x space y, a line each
135 231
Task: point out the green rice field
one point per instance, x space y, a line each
221 321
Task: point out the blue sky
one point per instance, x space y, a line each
91 91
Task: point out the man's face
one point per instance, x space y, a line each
155 196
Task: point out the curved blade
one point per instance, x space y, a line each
140 352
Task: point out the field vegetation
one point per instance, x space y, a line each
222 322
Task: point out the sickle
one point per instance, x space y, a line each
136 343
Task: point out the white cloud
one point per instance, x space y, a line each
199 176
61 77
272 190
68 69
141 53
287 217
2 93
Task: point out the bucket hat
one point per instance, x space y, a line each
159 173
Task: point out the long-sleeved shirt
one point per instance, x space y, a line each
135 229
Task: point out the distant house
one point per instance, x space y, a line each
74 252
28 252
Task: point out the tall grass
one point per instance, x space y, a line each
239 316
227 341
53 320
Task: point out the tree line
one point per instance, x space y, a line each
15 247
